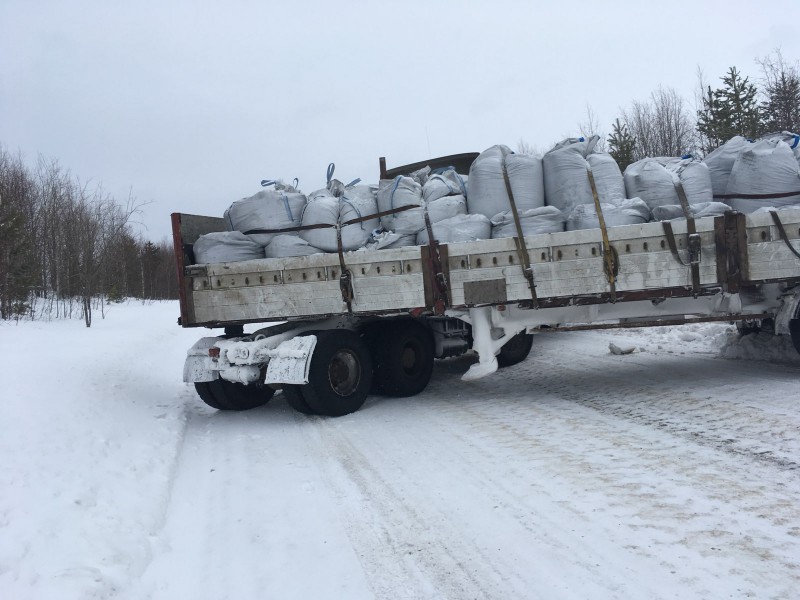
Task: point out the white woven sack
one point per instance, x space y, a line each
547 219
765 167
653 180
226 246
323 207
268 209
487 192
446 183
566 178
720 162
461 228
389 239
396 193
671 212
289 245
627 212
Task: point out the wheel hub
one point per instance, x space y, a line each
344 372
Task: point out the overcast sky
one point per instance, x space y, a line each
192 104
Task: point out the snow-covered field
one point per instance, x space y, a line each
672 472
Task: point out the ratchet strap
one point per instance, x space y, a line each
782 232
519 240
694 242
440 287
610 259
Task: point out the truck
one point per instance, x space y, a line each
330 329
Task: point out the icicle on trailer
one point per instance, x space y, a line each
353 323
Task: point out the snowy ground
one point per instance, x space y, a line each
672 472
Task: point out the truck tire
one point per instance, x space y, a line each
794 332
402 358
340 374
294 398
226 395
515 350
201 387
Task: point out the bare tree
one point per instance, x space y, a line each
591 127
660 125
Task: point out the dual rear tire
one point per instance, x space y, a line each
225 395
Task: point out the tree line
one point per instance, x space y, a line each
664 125
67 248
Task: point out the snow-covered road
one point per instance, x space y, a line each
667 473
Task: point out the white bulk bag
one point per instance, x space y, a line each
226 246
547 219
487 192
289 245
670 212
389 239
720 162
626 212
396 193
325 208
446 183
461 228
566 178
765 167
268 209
653 180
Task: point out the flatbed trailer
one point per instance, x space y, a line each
332 328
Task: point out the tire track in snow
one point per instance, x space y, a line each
395 543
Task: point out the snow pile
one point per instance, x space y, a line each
760 346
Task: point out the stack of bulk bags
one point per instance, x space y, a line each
279 208
624 212
547 219
289 245
338 203
407 191
488 194
765 168
566 179
720 162
461 228
226 246
698 211
654 180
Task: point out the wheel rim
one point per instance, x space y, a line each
344 372
409 359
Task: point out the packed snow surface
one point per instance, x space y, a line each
669 472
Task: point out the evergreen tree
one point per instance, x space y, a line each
621 144
729 111
780 108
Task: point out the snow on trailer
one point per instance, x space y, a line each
376 320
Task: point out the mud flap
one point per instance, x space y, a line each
290 361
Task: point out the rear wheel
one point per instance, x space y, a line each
226 395
794 332
340 374
403 353
515 350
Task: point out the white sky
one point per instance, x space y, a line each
191 104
